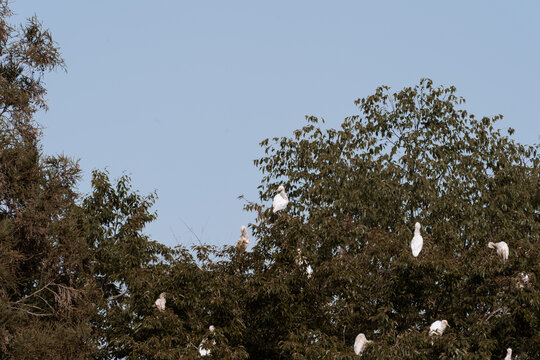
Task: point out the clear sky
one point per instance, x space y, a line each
178 94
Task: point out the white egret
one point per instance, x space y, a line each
203 351
417 240
280 200
502 249
438 327
360 343
309 271
160 302
508 354
243 240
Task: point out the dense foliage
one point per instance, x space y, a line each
79 278
413 155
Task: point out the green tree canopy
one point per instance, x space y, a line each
64 259
79 278
356 192
43 309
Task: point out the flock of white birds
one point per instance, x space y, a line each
361 342
438 327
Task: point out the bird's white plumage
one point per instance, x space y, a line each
309 271
280 200
508 354
203 351
360 343
161 301
417 241
502 249
243 240
438 327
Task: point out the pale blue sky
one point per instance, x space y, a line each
178 94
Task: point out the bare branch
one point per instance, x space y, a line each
191 230
34 293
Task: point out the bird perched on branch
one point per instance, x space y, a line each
360 343
438 327
502 249
160 302
203 351
417 240
243 240
280 200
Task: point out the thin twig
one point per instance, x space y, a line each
117 296
36 314
174 235
46 302
191 230
34 293
493 313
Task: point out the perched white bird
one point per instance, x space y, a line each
360 343
280 200
438 327
417 241
203 351
508 354
243 240
309 271
502 249
160 302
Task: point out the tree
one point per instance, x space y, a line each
79 278
356 192
413 155
128 269
77 273
44 308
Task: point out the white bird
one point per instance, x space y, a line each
360 343
438 327
203 351
160 302
309 271
502 249
280 200
508 354
417 240
243 240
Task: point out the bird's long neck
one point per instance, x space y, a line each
283 195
